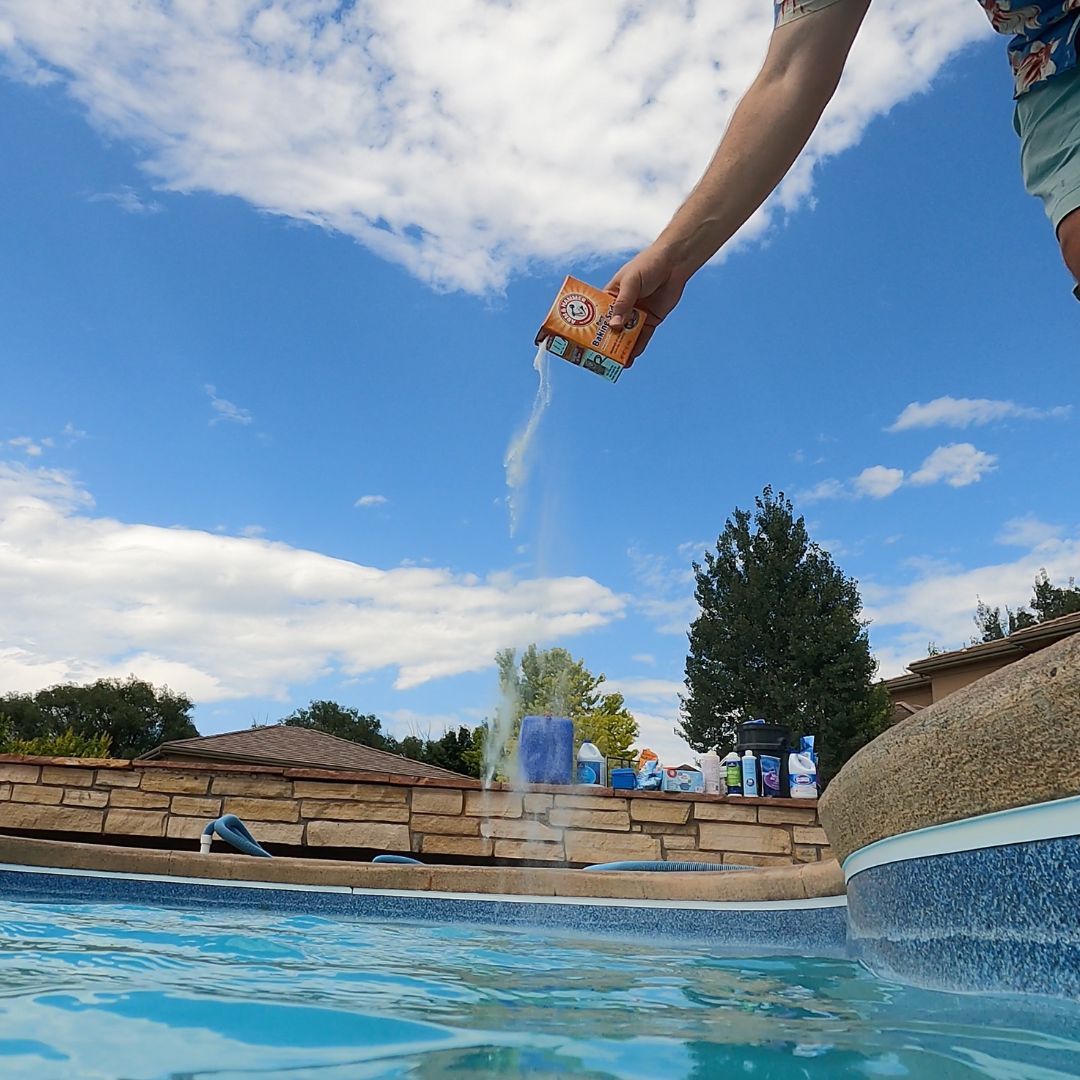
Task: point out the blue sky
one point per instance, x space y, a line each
258 388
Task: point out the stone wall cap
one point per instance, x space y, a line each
807 881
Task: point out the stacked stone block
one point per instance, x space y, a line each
303 809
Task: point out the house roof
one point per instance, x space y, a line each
1019 641
901 710
296 747
905 682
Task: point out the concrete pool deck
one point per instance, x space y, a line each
800 882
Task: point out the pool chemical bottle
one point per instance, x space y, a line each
591 766
732 768
770 776
802 776
577 329
710 771
546 749
749 774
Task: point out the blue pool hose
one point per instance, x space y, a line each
673 867
403 860
233 831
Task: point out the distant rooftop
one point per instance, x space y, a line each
296 747
1033 637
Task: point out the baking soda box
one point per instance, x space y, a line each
576 329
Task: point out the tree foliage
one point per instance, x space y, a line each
129 716
343 721
1048 601
544 682
779 637
453 750
67 744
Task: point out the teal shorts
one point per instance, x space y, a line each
1047 119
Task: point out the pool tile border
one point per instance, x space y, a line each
817 925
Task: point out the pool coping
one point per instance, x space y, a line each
475 898
810 881
1050 820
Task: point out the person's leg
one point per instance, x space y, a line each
1069 238
1048 123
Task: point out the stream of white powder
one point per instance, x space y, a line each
518 460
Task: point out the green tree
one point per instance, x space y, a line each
547 681
551 682
345 722
610 726
1048 601
779 637
453 750
1052 602
66 744
131 715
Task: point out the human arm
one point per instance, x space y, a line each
768 131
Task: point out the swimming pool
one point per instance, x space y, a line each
93 990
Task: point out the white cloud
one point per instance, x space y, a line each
647 659
655 705
665 592
128 200
30 447
938 604
878 481
657 731
253 530
1028 532
825 489
957 465
225 410
371 500
463 139
223 617
652 690
403 722
963 412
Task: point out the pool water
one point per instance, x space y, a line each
114 991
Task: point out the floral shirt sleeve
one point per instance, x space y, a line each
790 10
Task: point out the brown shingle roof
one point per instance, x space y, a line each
281 745
1019 641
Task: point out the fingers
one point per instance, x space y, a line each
627 288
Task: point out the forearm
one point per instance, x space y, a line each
768 131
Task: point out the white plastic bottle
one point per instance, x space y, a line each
802 776
591 766
710 771
749 774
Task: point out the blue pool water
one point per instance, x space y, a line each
113 991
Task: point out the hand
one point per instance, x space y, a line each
652 281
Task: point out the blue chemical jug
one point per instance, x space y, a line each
546 749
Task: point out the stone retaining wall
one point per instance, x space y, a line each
316 813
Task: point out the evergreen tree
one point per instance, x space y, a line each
779 637
1048 601
1052 602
